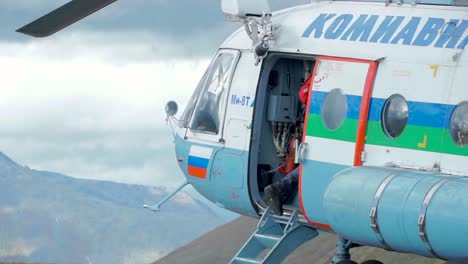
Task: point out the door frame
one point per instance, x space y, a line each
362 122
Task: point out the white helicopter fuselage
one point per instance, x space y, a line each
369 53
381 144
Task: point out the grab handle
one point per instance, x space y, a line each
303 148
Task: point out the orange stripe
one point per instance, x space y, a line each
364 114
326 226
197 172
300 194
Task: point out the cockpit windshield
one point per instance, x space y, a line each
184 119
205 107
207 116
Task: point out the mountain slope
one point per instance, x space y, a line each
221 244
49 217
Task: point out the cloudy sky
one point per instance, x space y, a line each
89 101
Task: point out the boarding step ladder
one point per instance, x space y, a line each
275 238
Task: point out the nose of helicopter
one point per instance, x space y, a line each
171 109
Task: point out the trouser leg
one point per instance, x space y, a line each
280 192
289 184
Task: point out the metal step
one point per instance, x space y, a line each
246 261
269 241
284 219
274 239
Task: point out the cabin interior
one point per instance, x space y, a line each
278 122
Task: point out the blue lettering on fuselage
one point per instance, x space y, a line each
397 30
338 26
361 28
240 100
386 29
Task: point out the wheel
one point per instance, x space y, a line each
346 262
372 262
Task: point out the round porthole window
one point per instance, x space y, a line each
334 109
459 124
394 116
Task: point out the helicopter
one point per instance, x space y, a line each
381 145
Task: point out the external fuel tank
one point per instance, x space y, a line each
401 210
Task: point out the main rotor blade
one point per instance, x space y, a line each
63 17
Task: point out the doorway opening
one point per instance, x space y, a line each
278 124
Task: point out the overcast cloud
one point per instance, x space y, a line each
89 114
88 102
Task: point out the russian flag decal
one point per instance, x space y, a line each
198 160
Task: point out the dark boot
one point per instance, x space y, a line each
273 198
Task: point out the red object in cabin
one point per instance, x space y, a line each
304 91
289 165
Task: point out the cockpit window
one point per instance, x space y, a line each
208 112
184 119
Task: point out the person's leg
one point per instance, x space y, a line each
289 185
273 198
281 191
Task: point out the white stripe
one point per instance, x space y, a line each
201 152
408 158
330 150
415 159
454 164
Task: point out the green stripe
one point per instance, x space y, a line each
346 132
438 139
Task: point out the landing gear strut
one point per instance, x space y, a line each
342 255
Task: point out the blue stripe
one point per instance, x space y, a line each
198 162
420 113
354 104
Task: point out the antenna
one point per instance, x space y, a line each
256 16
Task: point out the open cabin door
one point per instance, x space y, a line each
334 128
